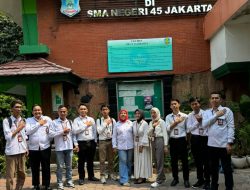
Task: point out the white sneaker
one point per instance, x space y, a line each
60 186
127 184
103 180
132 177
155 184
70 184
113 177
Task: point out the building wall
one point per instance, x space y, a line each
238 42
12 8
82 46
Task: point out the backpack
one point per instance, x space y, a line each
3 140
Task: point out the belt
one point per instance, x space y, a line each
106 140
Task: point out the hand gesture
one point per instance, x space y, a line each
155 123
88 123
42 122
108 121
179 119
66 130
198 118
220 112
21 125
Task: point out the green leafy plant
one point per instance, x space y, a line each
74 160
242 129
2 165
11 37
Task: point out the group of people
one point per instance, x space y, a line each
137 144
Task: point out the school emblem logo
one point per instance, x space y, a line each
70 7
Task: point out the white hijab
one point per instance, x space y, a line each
158 114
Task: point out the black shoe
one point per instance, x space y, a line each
48 188
36 187
93 179
174 182
206 186
198 184
186 184
80 182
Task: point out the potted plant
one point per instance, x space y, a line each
242 135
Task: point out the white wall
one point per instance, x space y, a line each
230 44
238 42
13 9
218 49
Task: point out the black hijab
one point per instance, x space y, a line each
142 116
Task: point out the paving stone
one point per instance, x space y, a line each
241 181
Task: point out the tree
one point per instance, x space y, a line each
11 37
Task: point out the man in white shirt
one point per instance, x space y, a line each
16 146
61 131
176 126
37 127
199 146
105 129
220 123
85 130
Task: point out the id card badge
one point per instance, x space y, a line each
176 132
86 132
137 139
220 121
19 138
108 135
64 137
201 131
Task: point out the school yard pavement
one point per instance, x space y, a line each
241 180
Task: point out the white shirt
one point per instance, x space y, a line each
38 135
105 131
194 126
122 137
84 133
140 131
180 129
62 141
220 129
159 131
13 145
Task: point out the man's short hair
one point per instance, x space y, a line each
62 106
175 99
14 102
194 99
35 106
82 104
216 92
104 106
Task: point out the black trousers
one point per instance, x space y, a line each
86 154
199 150
37 158
178 150
216 155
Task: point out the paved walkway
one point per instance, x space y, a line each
241 180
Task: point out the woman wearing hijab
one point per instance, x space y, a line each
142 150
159 140
122 140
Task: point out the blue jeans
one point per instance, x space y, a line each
125 163
62 157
